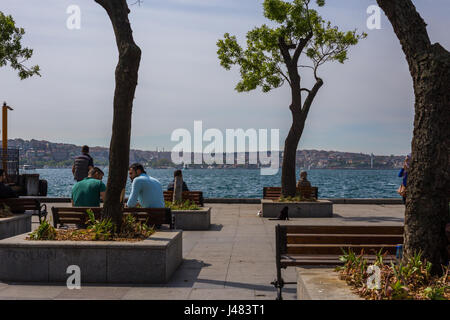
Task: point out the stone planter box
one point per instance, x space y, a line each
17 224
307 209
322 283
150 261
192 219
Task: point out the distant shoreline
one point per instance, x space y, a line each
150 168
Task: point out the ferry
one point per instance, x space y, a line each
28 167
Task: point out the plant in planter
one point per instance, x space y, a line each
45 231
297 198
412 280
96 230
5 212
184 205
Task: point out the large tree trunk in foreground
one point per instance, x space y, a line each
428 185
126 80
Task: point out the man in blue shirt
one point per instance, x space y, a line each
147 190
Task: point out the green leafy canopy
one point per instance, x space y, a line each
262 63
11 48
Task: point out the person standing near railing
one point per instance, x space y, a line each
82 164
404 173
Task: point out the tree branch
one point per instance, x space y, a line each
301 46
311 95
284 51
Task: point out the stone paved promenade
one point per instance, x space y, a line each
235 259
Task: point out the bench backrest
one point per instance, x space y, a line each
194 196
152 216
274 193
19 205
311 240
79 216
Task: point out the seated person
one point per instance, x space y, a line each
303 182
145 189
5 190
87 192
171 185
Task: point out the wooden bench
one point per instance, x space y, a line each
274 193
20 205
194 196
323 245
79 216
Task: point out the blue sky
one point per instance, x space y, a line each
365 105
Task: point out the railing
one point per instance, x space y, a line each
10 159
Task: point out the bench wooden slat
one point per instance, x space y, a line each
333 260
344 238
195 196
274 193
344 229
79 216
337 248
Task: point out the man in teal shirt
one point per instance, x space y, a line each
147 190
87 192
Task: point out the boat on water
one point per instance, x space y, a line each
28 167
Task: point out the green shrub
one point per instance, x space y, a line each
5 212
297 198
410 280
44 232
103 229
131 228
185 205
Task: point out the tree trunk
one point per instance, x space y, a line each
299 115
126 76
288 176
177 190
428 185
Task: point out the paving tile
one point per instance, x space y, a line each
221 294
18 291
94 292
160 293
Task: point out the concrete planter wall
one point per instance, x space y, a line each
322 283
313 209
192 219
17 224
150 261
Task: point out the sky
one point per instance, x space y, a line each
365 105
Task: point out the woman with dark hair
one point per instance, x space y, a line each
171 187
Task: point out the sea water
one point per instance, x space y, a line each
248 183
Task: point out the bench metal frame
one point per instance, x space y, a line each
297 245
19 205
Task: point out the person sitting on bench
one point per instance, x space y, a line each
303 182
171 185
87 192
5 190
147 190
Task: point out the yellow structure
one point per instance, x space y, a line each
5 135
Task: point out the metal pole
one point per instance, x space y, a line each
5 136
